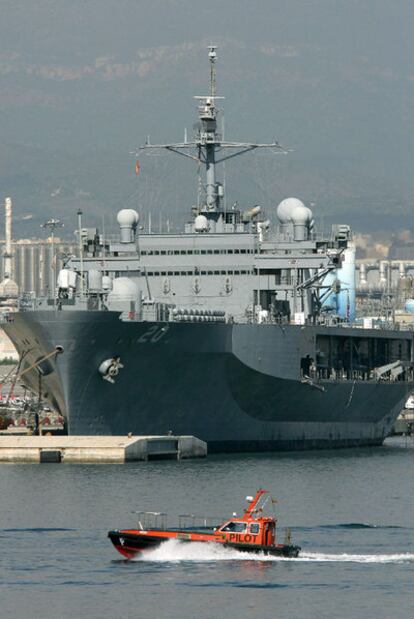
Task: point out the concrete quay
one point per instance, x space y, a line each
99 449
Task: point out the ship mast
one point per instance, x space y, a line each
208 148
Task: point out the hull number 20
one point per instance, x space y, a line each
153 334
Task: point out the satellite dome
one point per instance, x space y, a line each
201 223
285 209
301 214
125 288
127 218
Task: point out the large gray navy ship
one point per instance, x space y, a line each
237 331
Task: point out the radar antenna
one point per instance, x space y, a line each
204 149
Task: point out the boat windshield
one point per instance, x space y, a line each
235 527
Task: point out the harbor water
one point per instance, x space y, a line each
351 511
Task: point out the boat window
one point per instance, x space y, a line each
254 529
236 527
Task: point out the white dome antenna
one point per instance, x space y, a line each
128 220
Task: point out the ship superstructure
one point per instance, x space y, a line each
235 330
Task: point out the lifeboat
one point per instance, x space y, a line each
253 532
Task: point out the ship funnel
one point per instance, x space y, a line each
127 219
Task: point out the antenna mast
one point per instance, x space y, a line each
208 143
212 54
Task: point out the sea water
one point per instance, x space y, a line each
351 511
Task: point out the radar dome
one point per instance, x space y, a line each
301 214
127 217
124 287
201 223
124 290
285 209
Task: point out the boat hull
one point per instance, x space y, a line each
130 545
238 387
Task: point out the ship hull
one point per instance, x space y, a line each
131 544
237 387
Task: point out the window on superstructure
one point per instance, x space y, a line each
236 527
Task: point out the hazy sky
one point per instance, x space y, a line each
84 81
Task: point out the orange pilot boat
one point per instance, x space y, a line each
253 532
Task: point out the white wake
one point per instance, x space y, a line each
174 551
